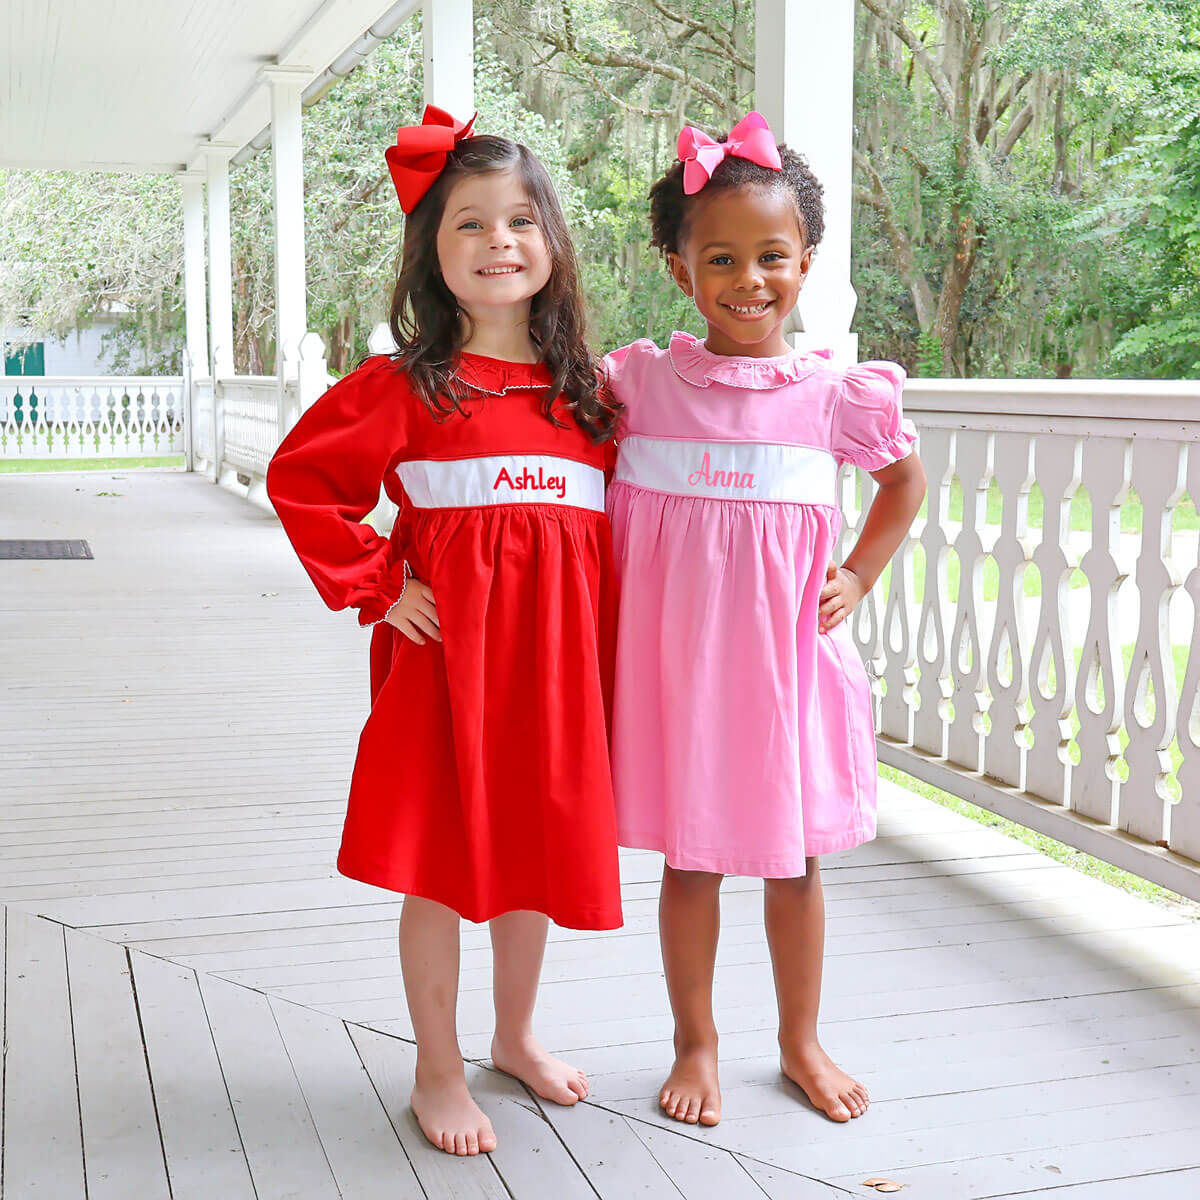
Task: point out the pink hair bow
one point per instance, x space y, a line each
750 138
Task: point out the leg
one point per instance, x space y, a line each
795 918
689 922
518 942
448 1116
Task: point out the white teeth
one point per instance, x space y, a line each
750 309
500 270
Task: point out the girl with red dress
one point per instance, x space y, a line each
481 788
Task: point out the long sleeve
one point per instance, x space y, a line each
871 431
325 478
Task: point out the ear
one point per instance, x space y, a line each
680 273
805 263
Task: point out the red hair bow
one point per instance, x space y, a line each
750 138
419 155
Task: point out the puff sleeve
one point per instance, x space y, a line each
623 369
870 430
324 479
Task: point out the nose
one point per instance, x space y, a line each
501 237
750 277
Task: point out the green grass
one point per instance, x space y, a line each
17 466
1186 516
1068 855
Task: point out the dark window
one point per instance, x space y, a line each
29 360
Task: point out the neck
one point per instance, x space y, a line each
774 345
500 332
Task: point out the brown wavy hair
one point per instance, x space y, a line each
425 316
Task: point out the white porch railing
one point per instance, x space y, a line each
1035 642
239 420
91 416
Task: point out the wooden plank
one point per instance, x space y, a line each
364 1153
281 1143
778 1184
697 1168
391 1064
43 1145
200 1135
122 1151
614 1158
529 1156
46 896
1167 1185
231 899
1001 1175
172 847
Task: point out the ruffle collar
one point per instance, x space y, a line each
496 376
693 362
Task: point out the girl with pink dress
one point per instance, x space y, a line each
742 732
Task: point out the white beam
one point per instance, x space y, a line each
287 169
195 299
220 257
448 27
808 99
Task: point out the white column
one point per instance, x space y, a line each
220 258
450 56
287 164
194 273
807 96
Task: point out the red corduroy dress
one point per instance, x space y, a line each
482 778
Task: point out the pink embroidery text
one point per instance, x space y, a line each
526 480
720 478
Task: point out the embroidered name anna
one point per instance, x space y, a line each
526 480
720 478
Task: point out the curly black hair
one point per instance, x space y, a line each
671 209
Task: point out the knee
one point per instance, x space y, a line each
692 881
797 884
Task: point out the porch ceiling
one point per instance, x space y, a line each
138 85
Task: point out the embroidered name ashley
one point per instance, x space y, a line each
720 478
526 480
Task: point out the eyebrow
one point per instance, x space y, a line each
772 241
524 206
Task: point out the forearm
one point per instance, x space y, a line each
896 504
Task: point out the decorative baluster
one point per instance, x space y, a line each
967 646
864 621
1006 743
1158 477
933 687
1048 765
1098 690
896 708
1184 817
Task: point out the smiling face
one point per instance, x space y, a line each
491 250
743 261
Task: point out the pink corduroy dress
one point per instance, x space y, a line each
742 737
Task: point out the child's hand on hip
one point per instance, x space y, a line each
415 613
842 591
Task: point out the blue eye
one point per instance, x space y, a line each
470 225
522 220
720 260
772 256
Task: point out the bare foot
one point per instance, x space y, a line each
691 1092
550 1077
826 1085
448 1115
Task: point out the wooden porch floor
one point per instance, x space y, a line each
196 1005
